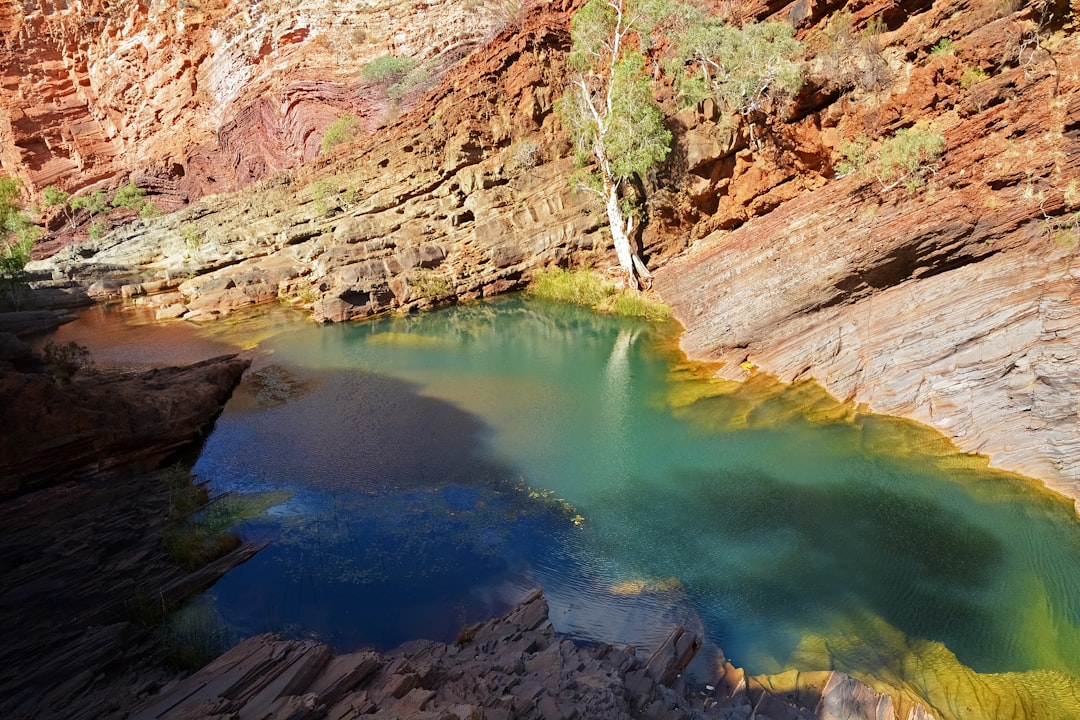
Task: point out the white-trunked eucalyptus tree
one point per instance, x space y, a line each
610 113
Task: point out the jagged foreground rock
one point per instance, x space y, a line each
511 667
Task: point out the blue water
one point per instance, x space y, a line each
442 465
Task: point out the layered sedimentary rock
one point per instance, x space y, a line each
955 304
195 97
57 432
459 198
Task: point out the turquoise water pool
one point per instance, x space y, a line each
441 465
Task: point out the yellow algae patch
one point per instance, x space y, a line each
761 401
249 328
409 340
637 586
628 587
924 672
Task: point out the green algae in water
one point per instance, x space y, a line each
800 532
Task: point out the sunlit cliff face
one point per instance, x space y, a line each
205 94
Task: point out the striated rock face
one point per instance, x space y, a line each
196 97
53 433
957 304
458 199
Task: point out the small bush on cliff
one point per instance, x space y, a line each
526 154
850 58
944 46
905 159
428 284
93 204
908 156
396 74
973 76
65 360
129 197
345 129
55 197
388 69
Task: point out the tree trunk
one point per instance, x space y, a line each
631 264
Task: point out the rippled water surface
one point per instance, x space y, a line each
441 465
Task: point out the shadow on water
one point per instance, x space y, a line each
400 526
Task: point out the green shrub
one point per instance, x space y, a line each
973 76
399 89
428 284
943 47
396 74
193 239
17 233
96 230
94 204
908 156
130 197
388 69
345 129
14 255
55 197
745 69
903 159
65 360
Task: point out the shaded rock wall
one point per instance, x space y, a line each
53 433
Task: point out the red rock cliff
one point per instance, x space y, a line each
203 95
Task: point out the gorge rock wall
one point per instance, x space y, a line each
955 304
197 97
459 198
